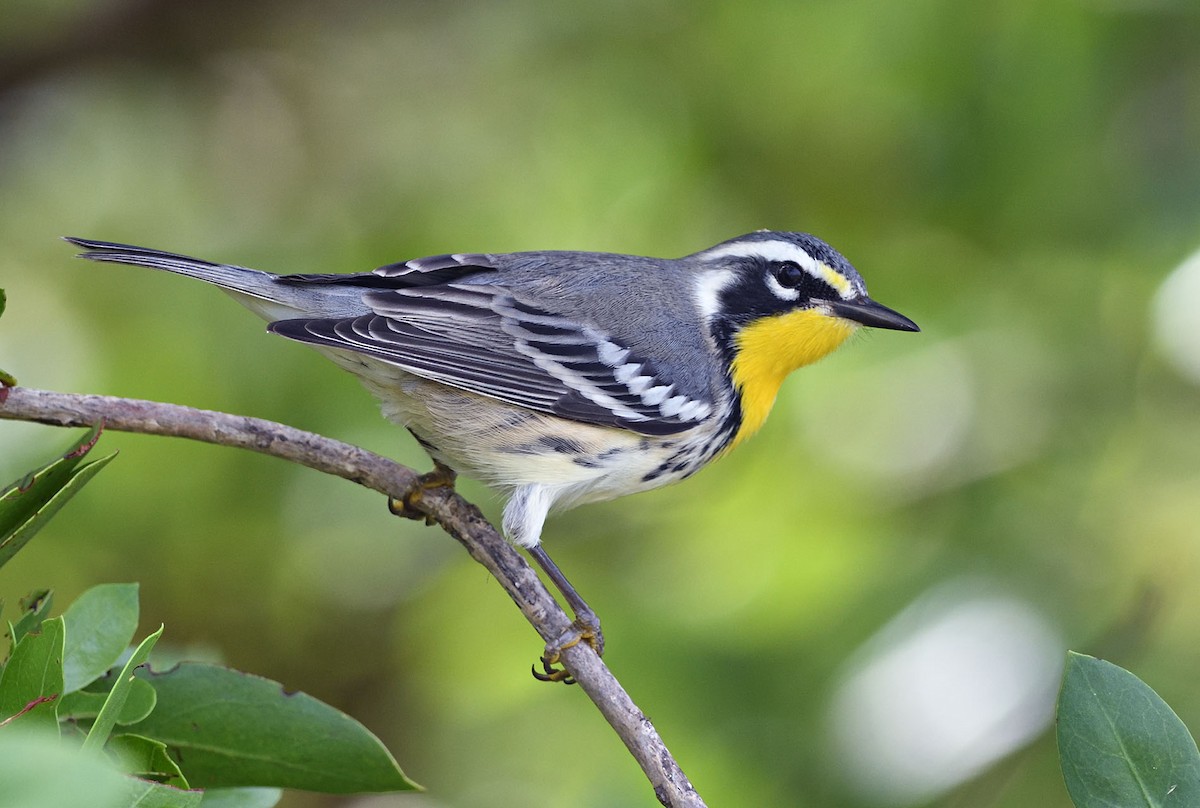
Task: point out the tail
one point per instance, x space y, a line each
235 279
261 292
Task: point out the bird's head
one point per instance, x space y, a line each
777 301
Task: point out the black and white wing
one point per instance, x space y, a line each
483 339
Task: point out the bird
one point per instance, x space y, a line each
558 377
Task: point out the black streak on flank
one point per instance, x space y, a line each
561 445
658 472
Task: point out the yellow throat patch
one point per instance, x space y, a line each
770 349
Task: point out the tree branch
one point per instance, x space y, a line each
459 518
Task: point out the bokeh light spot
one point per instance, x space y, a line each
953 683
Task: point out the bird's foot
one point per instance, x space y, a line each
586 628
408 506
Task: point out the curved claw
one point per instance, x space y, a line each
551 673
584 629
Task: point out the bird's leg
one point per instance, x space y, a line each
406 506
586 627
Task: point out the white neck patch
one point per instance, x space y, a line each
709 285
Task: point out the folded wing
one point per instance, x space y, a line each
483 339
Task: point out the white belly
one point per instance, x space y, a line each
540 461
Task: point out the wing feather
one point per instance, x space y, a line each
481 338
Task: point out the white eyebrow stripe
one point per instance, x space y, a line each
768 250
776 250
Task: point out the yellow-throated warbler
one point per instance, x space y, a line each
561 378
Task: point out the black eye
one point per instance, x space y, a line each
788 274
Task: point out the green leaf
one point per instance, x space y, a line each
115 703
27 504
1119 743
241 798
37 769
100 626
233 729
32 679
145 794
146 758
87 703
34 608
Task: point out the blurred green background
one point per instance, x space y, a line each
865 605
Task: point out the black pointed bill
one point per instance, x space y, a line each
869 313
